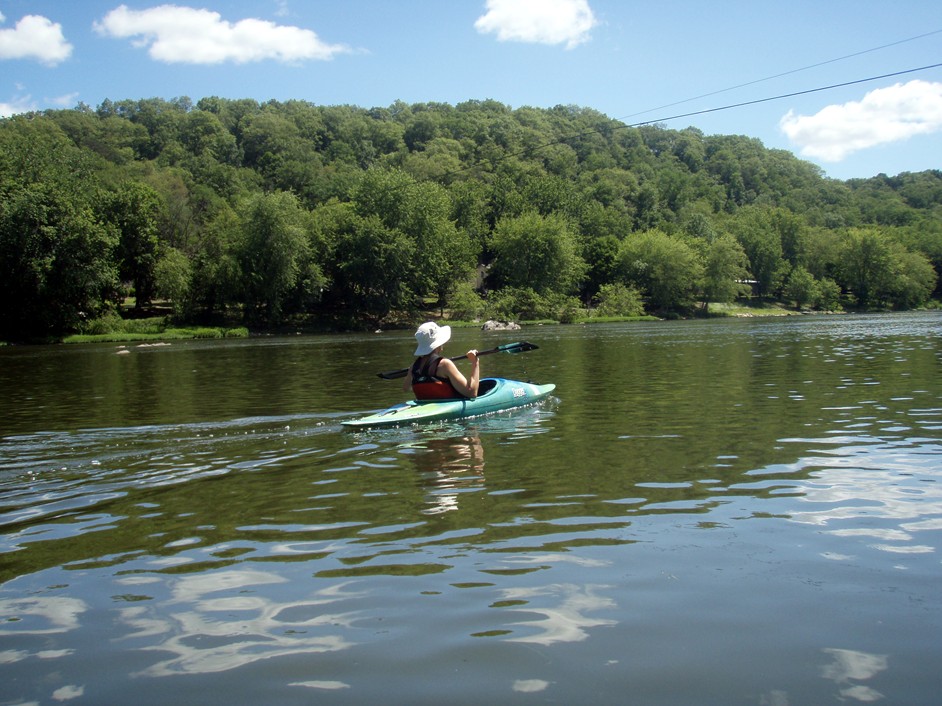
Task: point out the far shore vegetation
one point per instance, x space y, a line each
160 219
115 329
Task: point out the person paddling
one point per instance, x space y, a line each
434 377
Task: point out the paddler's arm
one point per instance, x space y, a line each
466 386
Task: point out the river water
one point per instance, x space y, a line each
710 512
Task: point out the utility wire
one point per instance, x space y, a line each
730 106
768 99
784 73
745 103
784 95
612 128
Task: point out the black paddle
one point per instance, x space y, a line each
520 347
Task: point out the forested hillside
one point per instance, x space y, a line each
348 217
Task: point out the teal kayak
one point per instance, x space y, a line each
494 395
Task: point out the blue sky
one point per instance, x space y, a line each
633 60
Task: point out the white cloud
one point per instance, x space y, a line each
883 116
65 101
178 35
538 21
34 37
24 103
19 104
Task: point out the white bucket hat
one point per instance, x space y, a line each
430 336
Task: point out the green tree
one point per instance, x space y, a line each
202 132
524 303
914 278
879 270
723 164
601 255
615 299
689 148
466 303
539 252
792 235
216 272
56 266
440 161
823 253
756 232
647 207
926 237
699 225
444 255
666 269
134 210
469 210
275 256
173 276
552 194
724 269
437 181
801 287
369 263
866 265
505 200
828 295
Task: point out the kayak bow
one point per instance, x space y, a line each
495 395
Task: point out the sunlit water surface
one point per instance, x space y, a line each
720 512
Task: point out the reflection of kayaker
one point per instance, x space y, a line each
452 466
434 377
455 454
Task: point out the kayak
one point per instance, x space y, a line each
494 395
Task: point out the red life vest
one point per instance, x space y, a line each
426 385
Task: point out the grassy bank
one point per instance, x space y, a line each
752 308
117 330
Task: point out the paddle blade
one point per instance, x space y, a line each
521 347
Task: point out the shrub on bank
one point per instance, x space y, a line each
112 328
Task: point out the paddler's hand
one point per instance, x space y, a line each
471 384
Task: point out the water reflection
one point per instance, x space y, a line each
565 619
450 466
530 686
847 667
41 620
224 620
647 531
40 615
893 486
325 685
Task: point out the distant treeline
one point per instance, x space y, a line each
288 212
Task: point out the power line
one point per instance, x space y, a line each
784 73
784 95
594 131
768 99
612 128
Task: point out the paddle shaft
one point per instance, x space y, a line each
520 347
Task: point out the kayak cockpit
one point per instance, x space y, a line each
485 386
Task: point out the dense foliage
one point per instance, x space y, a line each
291 212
